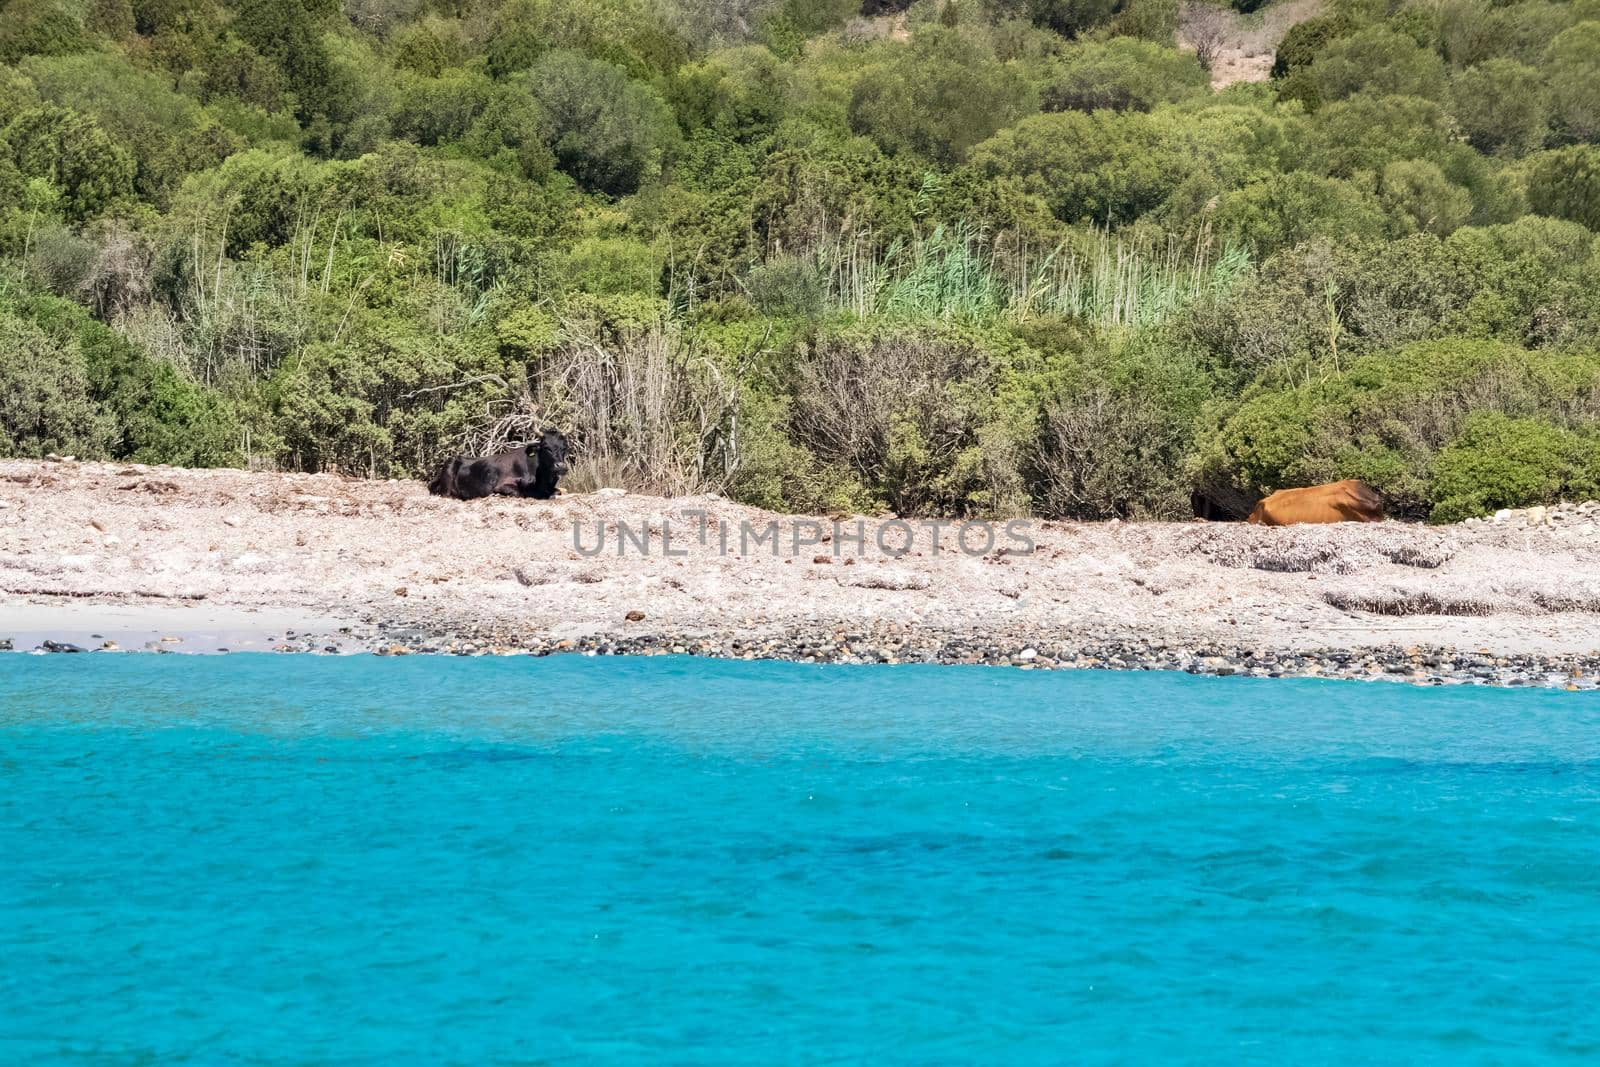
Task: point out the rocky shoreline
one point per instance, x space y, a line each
892 644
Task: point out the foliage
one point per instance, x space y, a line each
166 133
45 404
1420 197
608 133
73 154
1502 106
288 34
1122 73
40 28
938 99
1502 462
1375 60
1386 419
1565 184
909 414
958 257
1105 166
1573 66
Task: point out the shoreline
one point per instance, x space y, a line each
83 625
164 559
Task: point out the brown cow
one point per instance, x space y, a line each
1347 501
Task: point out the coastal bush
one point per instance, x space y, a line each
609 133
1284 210
1070 18
45 404
910 413
1572 64
288 33
1376 60
941 97
73 154
165 133
1387 418
1501 462
40 28
1304 40
150 411
1101 167
1122 73
1150 20
1502 106
1565 184
1365 132
1114 439
1419 197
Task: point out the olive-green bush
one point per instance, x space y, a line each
1501 462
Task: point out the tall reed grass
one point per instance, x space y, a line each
957 272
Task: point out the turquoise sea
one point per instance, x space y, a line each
292 860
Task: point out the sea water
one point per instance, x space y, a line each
291 860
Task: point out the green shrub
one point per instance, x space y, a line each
289 34
257 197
1420 198
1294 208
166 134
610 134
1375 60
1365 132
72 153
45 404
1565 184
939 98
1101 167
910 413
1304 40
157 414
1067 17
787 285
40 28
1150 20
1502 462
1122 73
429 47
1114 438
509 131
1573 68
1387 417
433 110
623 33
1502 106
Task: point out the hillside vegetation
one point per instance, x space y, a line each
966 257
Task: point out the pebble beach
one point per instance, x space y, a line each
117 557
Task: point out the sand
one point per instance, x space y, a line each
243 560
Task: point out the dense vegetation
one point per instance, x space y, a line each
961 257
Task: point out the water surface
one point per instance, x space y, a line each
292 860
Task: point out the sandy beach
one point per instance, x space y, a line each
187 560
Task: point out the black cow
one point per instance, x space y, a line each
530 471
